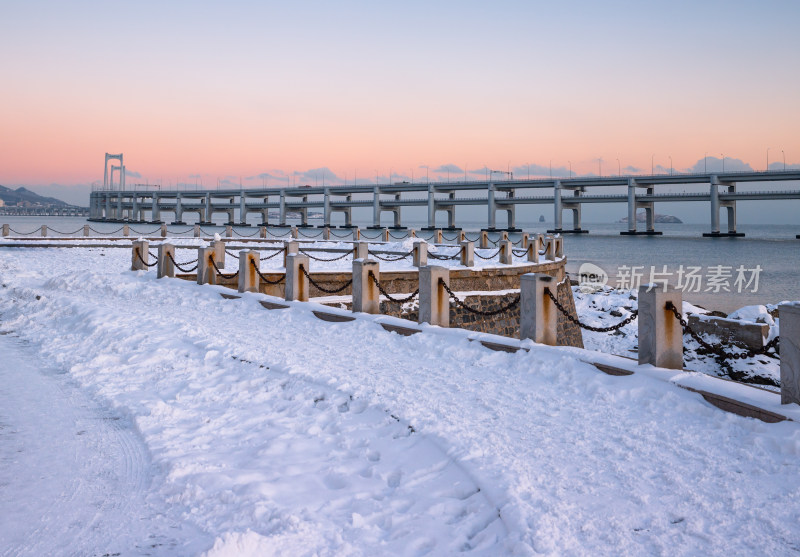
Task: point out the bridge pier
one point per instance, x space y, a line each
633 207
716 205
559 205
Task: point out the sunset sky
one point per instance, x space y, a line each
255 91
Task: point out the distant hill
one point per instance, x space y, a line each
26 197
641 216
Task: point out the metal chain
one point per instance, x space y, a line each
231 253
280 250
64 233
389 296
25 233
453 239
131 229
478 237
634 314
322 288
139 255
495 254
206 232
511 305
262 277
397 237
179 231
246 235
308 235
346 234
177 266
517 243
304 252
220 273
152 254
281 235
371 237
389 259
519 252
719 352
445 257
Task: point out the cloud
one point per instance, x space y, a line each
715 164
780 166
452 168
132 174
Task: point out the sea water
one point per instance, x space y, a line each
716 273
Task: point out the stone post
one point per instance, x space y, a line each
219 253
197 231
356 234
262 231
420 254
538 319
503 236
228 231
294 233
165 266
538 242
360 250
506 255
462 236
484 242
366 296
434 301
550 248
326 233
524 240
142 247
660 333
297 285
790 352
205 271
532 251
412 233
559 247
44 230
248 277
163 230
468 254
437 236
6 229
86 230
289 247
385 234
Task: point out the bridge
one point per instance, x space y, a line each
719 189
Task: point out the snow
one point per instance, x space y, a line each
275 433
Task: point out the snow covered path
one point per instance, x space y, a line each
75 476
277 433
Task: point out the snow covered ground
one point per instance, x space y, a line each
243 431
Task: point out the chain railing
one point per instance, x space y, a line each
139 256
179 265
634 314
467 238
315 258
391 257
220 273
453 239
25 233
207 233
64 233
371 237
280 235
180 231
323 288
519 252
304 235
131 229
397 237
232 253
717 350
277 252
479 256
456 255
388 296
246 235
345 235
511 305
264 278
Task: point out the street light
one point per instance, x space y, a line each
570 168
619 168
705 163
723 161
767 168
784 160
670 165
600 166
652 167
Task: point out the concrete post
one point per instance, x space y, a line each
385 234
165 266
484 241
790 352
412 233
437 236
248 277
538 314
326 233
262 231
559 246
85 230
357 234
205 271
468 254
126 230
142 247
462 236
295 234
360 250
219 253
660 333
550 248
163 230
297 285
420 254
506 255
290 247
525 238
44 230
532 252
229 231
366 296
503 236
6 230
197 231
434 301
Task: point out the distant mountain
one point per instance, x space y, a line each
26 197
641 216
